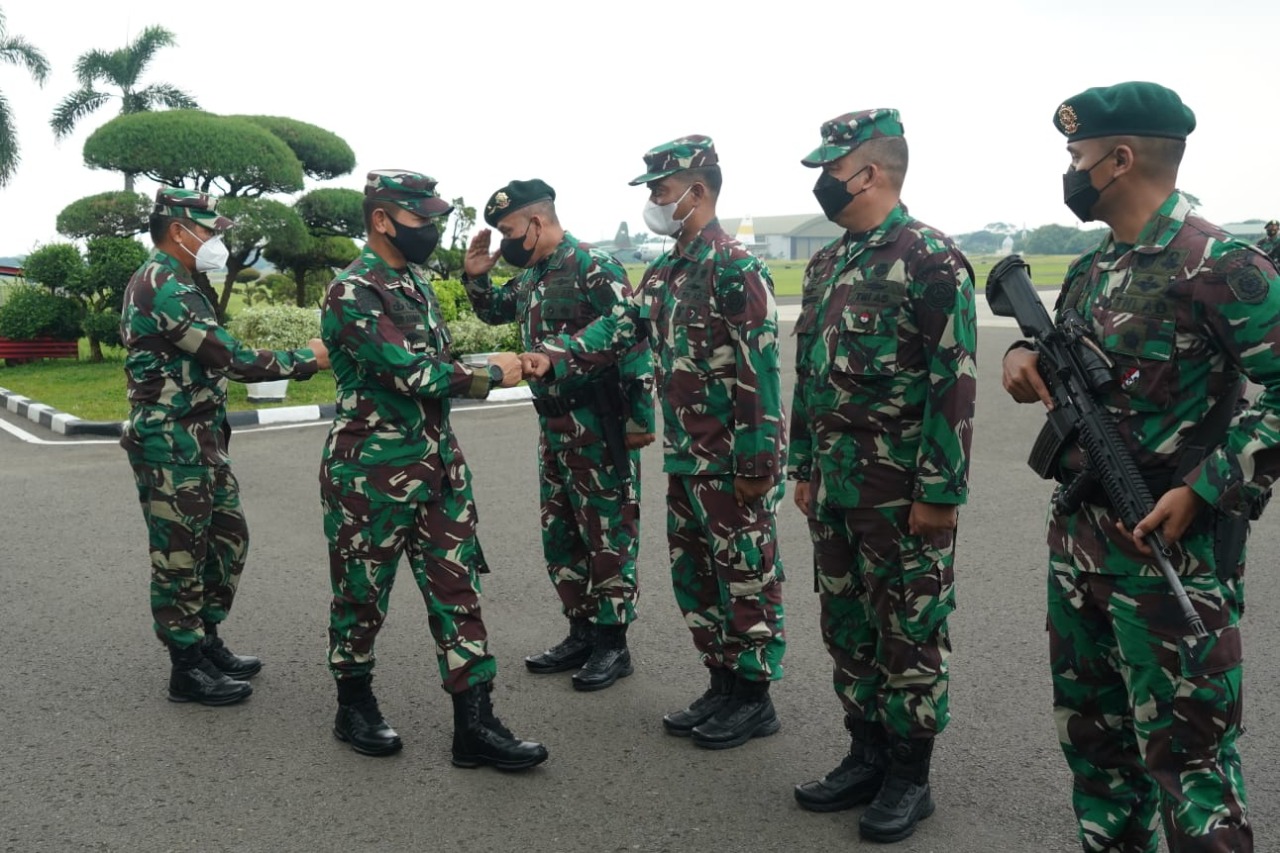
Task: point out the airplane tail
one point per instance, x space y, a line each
622 239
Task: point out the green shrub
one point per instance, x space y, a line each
471 334
103 327
32 312
247 275
452 297
276 327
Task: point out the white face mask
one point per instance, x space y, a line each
661 218
212 254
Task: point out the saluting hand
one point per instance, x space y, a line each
1022 377
478 261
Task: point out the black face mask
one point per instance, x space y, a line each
416 244
833 194
1078 192
513 250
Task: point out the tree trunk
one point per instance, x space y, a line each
95 351
224 301
128 182
300 279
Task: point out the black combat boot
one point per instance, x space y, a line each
570 653
858 778
748 713
681 723
609 661
194 678
904 799
359 722
237 666
480 738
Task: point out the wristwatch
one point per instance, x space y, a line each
495 375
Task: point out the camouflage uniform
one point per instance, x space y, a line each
1270 242
590 510
1147 716
178 363
882 417
709 312
392 477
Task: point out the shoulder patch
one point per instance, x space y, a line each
940 296
1248 284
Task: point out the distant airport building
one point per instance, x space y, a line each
1251 230
791 238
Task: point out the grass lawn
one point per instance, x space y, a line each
788 276
96 392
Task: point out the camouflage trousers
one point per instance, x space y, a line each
197 538
727 574
590 531
885 597
1148 716
366 540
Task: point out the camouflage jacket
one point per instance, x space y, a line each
1271 246
885 371
178 364
1183 313
389 346
708 310
560 295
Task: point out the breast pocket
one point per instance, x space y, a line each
691 330
1144 349
866 342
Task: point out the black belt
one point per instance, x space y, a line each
555 407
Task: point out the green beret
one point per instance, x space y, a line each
189 204
1125 109
514 196
687 152
413 191
846 132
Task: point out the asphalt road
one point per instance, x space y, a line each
93 757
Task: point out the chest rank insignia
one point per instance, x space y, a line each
1067 118
500 202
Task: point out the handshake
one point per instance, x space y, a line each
515 368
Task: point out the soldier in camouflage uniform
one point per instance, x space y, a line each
178 363
707 306
1148 716
1271 242
591 428
881 427
393 479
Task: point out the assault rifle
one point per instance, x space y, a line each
1077 373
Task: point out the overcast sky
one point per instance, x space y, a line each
574 93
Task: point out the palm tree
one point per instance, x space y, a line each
15 50
120 68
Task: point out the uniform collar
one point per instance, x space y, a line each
1159 231
884 233
172 264
698 247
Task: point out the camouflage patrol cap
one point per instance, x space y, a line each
190 204
514 196
687 152
1125 109
844 133
1272 224
413 191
